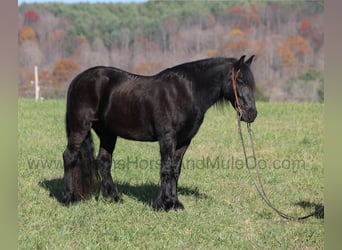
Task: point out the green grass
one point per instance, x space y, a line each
222 208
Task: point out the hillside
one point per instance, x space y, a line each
63 39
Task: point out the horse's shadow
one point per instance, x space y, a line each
318 208
145 192
55 187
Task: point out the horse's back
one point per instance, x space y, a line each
140 105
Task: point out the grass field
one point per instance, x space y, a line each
222 208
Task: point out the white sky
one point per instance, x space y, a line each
78 1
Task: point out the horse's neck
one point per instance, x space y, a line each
209 89
206 99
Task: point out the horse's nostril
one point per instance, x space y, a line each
251 114
255 113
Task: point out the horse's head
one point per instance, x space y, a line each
242 78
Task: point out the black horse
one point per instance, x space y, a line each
168 107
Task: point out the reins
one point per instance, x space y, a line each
260 187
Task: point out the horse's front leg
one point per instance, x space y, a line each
171 161
177 159
165 198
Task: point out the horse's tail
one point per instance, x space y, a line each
85 175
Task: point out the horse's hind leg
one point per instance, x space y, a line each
104 162
70 156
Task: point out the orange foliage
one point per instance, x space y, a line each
236 32
57 35
212 53
241 44
298 44
46 78
286 55
253 15
64 68
147 68
293 46
258 46
48 83
26 34
236 9
25 77
255 7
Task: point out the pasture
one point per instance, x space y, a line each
222 207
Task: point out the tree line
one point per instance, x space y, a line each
144 38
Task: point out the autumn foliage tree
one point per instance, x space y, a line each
26 33
286 55
63 70
298 44
305 27
292 49
146 38
31 17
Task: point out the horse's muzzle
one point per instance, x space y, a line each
249 115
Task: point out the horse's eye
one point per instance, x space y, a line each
241 81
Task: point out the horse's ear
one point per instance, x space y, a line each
249 61
238 64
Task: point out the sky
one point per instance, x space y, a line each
78 1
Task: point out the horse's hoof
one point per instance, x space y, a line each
66 199
178 205
114 198
166 206
159 205
118 199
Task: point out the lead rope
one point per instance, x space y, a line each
259 188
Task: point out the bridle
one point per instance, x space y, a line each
238 107
258 184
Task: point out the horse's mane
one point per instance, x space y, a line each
205 64
201 65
